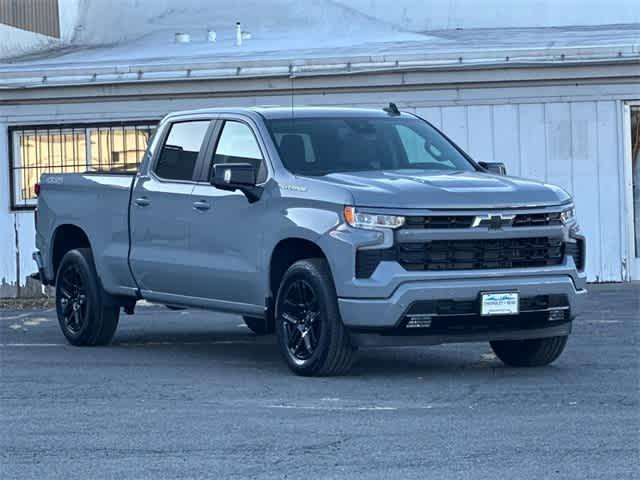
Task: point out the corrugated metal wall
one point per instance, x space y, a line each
39 16
570 144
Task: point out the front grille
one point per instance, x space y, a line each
465 255
467 221
537 219
576 250
440 221
480 254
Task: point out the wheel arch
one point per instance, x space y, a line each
66 237
286 252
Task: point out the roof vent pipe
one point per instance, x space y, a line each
182 37
238 34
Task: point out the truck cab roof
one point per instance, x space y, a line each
277 112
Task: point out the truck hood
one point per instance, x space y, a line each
421 189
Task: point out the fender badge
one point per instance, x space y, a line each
294 188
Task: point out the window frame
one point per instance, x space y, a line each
86 126
207 167
166 130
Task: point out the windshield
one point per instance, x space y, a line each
320 146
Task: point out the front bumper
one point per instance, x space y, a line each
385 317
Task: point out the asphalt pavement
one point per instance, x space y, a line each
194 394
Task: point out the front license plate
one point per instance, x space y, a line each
499 303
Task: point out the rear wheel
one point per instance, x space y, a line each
311 335
84 316
529 353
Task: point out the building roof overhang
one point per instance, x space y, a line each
509 51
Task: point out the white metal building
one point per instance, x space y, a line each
559 104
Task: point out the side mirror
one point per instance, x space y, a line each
237 176
494 167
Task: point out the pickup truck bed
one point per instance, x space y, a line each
98 204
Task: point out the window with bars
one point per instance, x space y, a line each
72 149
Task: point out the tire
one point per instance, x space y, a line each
85 315
259 325
529 353
307 302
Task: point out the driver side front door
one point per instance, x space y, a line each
228 242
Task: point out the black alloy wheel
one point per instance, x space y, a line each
86 313
311 335
72 298
300 313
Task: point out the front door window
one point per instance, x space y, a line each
238 144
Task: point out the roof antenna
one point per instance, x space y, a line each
292 77
392 109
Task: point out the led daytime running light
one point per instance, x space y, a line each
358 219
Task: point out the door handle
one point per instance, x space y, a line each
142 201
201 205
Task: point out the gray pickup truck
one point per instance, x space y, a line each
335 228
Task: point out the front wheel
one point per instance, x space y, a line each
529 353
84 317
311 335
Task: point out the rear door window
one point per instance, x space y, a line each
177 160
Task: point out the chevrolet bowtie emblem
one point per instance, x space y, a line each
493 221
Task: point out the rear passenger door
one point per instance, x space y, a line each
163 215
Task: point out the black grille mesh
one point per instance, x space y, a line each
537 219
465 254
440 221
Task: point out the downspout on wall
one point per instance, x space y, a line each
17 243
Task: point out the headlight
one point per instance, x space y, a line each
568 215
371 220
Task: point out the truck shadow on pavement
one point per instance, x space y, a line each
225 349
